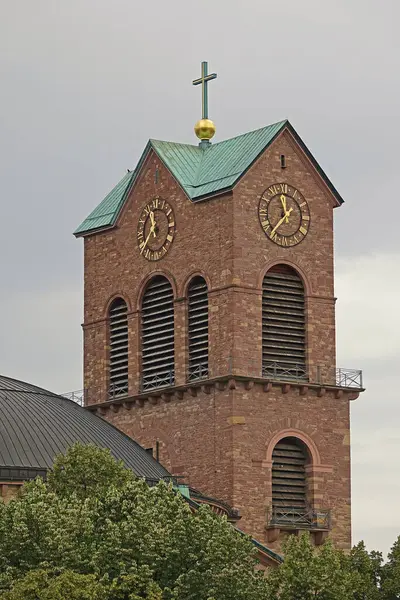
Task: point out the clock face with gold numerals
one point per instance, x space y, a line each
284 214
156 229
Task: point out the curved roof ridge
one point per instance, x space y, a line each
29 386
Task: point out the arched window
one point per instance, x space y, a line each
283 324
198 328
118 336
289 489
158 354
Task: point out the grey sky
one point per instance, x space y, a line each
85 83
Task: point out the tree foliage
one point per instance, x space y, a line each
308 574
86 471
45 585
328 574
95 532
391 573
130 541
367 572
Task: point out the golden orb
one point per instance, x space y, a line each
204 129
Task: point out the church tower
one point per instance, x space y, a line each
209 325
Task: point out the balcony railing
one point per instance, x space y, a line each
348 378
320 375
275 370
117 390
77 396
295 518
198 372
153 382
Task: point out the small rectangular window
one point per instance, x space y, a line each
283 161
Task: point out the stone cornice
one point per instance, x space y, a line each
225 382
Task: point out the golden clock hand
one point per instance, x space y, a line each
283 200
279 223
147 239
153 223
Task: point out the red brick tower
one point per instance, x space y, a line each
209 327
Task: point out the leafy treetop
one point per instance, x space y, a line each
95 532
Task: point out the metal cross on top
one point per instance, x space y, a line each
203 80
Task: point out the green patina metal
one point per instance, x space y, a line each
106 212
183 489
202 172
203 81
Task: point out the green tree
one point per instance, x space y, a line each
310 574
86 471
95 532
391 573
95 520
366 568
44 585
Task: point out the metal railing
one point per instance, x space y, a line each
338 377
296 518
116 390
321 375
349 378
275 370
153 382
198 372
78 397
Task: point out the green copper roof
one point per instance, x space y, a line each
106 212
201 172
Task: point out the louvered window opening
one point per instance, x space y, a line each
198 329
158 356
289 482
283 325
118 322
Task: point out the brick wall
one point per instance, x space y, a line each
219 439
9 491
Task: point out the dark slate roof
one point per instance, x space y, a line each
36 424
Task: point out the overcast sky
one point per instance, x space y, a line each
85 83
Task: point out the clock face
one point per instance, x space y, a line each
284 214
156 229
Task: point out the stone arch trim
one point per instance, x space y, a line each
300 435
298 430
119 294
164 273
306 282
185 286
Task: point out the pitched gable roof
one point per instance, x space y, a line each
204 172
201 172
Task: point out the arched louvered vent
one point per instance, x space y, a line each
283 324
118 322
158 334
289 481
198 328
